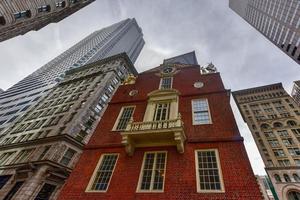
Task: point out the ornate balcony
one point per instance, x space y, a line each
154 133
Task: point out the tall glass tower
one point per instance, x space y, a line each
125 36
277 20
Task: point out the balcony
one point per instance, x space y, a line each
154 133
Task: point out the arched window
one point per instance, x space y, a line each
265 126
277 125
293 195
291 123
296 177
286 178
277 178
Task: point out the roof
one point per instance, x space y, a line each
90 65
258 89
187 58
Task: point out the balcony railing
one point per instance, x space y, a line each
154 133
154 125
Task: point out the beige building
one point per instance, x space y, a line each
296 92
264 186
39 151
274 121
17 17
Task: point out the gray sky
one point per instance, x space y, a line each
171 27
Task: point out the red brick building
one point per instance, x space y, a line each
167 134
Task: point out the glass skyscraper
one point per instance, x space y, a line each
277 20
125 36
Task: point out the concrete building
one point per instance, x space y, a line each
274 121
168 134
40 150
265 187
277 20
18 17
296 92
125 36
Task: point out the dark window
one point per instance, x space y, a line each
46 192
2 20
14 190
3 180
45 8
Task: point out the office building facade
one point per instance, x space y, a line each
18 17
296 92
168 134
277 20
273 118
125 36
40 150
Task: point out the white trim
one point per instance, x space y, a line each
92 179
219 169
208 109
160 82
119 116
138 190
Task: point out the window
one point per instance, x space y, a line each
44 8
286 178
279 153
277 178
162 111
274 143
294 151
283 133
5 157
208 171
291 123
13 191
284 163
46 149
296 177
23 156
46 192
124 117
153 171
288 142
22 14
3 180
201 113
67 157
166 83
103 173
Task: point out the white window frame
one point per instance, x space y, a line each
161 81
208 109
199 190
138 190
119 117
92 179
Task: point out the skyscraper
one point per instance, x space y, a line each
168 134
125 36
296 92
40 150
277 20
274 121
18 17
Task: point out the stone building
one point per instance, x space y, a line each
18 17
124 36
170 134
273 118
265 187
39 151
296 92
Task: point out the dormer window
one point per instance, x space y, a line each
166 83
